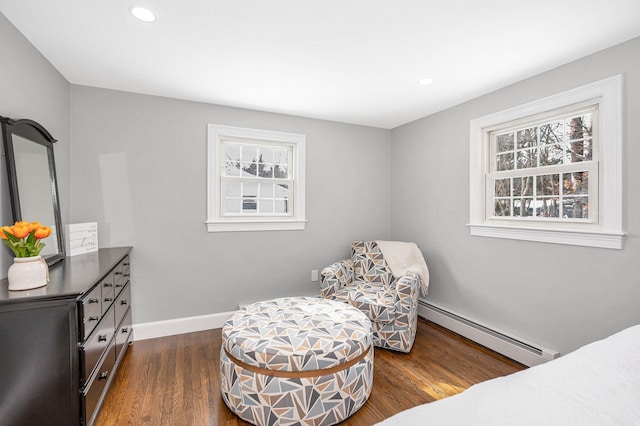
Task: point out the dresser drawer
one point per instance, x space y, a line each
92 349
124 334
90 312
122 303
93 391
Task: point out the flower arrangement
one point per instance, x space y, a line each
25 238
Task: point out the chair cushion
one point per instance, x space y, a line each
378 303
369 264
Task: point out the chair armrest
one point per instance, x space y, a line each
335 276
407 292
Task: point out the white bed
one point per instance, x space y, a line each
598 384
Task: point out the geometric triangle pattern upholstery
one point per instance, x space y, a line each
296 361
366 282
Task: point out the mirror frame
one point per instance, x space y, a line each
34 132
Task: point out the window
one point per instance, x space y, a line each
550 170
256 180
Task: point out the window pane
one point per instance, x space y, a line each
552 132
265 170
232 189
579 127
551 155
579 151
504 142
527 158
249 154
266 206
231 168
250 190
266 155
281 157
266 190
503 187
575 183
282 206
249 169
523 186
232 152
232 205
548 184
527 138
523 207
249 205
281 171
281 191
504 162
548 207
575 207
502 208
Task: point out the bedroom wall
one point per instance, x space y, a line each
138 167
555 295
30 87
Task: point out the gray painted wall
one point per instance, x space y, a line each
30 87
138 167
576 294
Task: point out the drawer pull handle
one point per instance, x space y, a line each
118 273
94 301
102 338
119 285
107 285
103 375
127 275
123 302
94 319
126 263
124 330
108 299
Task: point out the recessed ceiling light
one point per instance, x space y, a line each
145 15
425 81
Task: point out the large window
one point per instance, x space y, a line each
550 170
256 180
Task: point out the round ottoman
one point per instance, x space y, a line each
296 361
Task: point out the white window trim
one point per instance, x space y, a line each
608 232
216 222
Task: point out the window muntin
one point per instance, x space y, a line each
545 169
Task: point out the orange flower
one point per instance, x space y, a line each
42 232
33 225
20 231
3 230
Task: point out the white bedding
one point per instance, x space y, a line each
598 384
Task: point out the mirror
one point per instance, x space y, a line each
33 186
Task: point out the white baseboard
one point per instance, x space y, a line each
151 330
518 349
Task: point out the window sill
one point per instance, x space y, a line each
255 225
610 240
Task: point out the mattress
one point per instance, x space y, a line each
598 384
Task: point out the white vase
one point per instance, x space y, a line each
27 273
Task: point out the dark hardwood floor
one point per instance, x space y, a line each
175 380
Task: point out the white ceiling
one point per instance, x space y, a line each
354 61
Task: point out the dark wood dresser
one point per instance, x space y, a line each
61 345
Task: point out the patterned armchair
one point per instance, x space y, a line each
366 282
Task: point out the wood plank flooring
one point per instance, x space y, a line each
175 380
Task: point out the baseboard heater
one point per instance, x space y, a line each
517 349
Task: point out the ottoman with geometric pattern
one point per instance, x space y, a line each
296 361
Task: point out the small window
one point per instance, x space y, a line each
550 170
256 180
